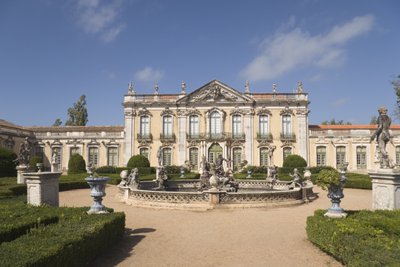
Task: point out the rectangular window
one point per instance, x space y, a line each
263 125
112 156
194 157
144 126
321 156
340 156
39 151
94 156
287 125
167 126
361 152
236 125
167 159
264 156
215 124
194 126
74 150
397 155
56 155
286 152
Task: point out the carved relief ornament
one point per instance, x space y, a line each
286 111
143 112
167 111
263 111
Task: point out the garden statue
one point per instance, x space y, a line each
219 167
271 154
133 179
24 154
297 179
161 178
272 176
160 156
124 178
383 137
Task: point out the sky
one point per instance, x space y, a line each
344 52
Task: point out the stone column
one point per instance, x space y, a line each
385 189
181 139
248 131
129 134
42 188
302 134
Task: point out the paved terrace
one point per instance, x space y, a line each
240 237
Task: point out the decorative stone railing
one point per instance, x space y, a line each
184 195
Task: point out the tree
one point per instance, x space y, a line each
76 164
57 122
78 115
138 161
335 122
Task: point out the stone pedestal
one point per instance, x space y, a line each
214 195
385 189
42 188
21 169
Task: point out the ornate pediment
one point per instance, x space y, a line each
167 111
143 112
286 111
215 92
263 111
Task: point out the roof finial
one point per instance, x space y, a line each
183 88
131 90
156 89
247 87
274 88
299 87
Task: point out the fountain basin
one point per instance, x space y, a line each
185 195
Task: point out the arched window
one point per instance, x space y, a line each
194 126
144 151
194 157
167 156
215 124
144 126
321 156
286 152
264 156
167 126
237 158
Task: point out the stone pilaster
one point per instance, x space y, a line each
302 133
181 139
248 131
129 134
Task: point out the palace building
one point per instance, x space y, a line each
258 129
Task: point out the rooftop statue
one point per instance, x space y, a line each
382 136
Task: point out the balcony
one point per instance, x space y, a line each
145 137
194 136
264 137
288 137
170 138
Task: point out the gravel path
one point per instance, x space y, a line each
240 237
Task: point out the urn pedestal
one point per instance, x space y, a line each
42 188
385 189
97 191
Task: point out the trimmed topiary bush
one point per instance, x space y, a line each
76 164
7 164
138 161
294 161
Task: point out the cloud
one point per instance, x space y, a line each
288 50
100 19
148 74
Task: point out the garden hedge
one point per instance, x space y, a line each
7 163
138 161
364 238
75 240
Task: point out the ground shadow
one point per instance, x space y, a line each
123 249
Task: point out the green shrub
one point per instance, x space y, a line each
75 240
7 164
106 169
294 161
255 169
327 177
357 180
364 238
138 161
76 164
173 169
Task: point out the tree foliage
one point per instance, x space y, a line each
78 115
7 162
374 120
76 164
294 161
396 88
138 161
57 122
336 122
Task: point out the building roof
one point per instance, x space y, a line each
8 124
77 128
350 127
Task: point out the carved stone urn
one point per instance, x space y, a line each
97 191
335 193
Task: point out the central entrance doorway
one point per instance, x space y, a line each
213 152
